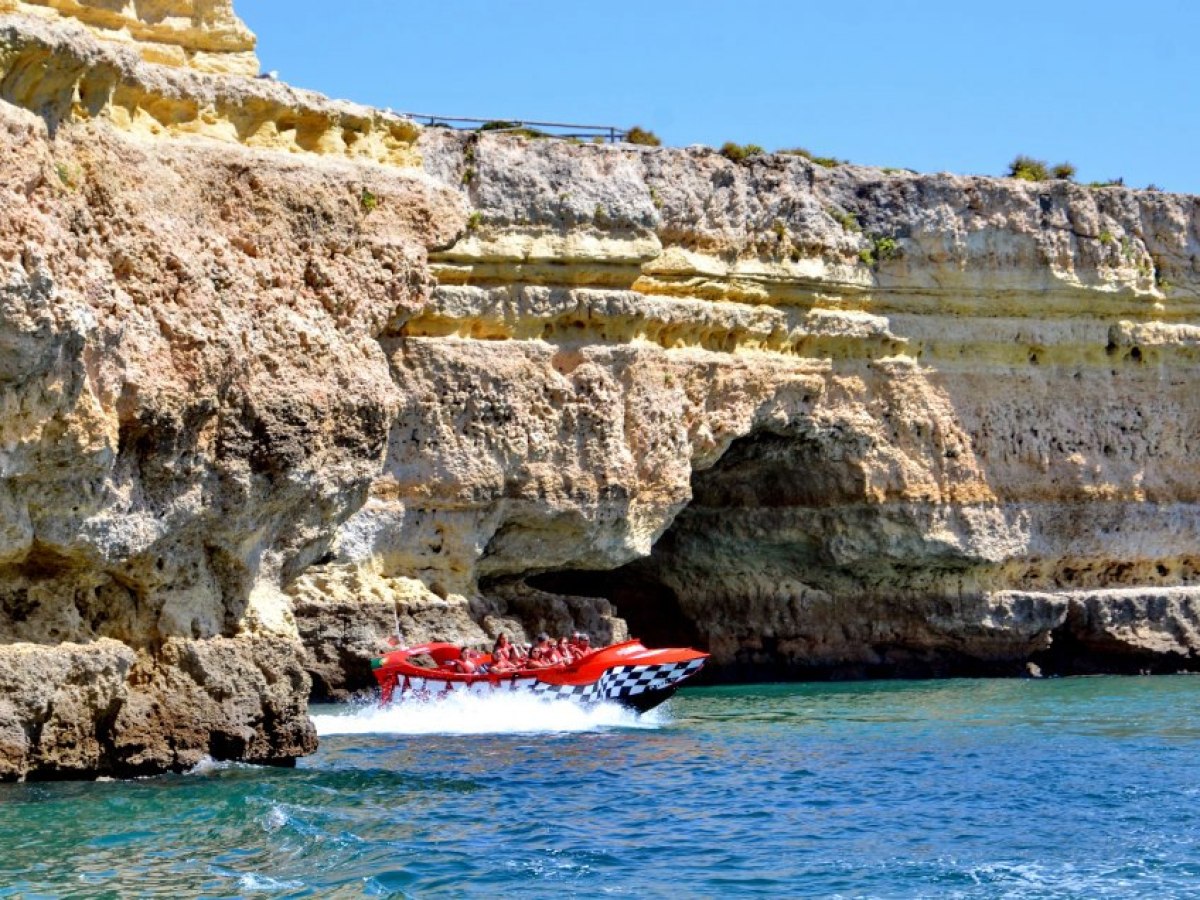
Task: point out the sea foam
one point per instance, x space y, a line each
470 714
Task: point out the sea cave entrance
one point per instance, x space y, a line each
736 570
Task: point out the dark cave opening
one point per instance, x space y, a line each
1072 654
763 473
650 608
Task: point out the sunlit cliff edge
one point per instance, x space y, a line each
279 372
201 34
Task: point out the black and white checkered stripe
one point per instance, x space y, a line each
615 684
622 681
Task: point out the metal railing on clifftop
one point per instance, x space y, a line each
609 134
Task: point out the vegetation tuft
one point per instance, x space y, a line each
1027 168
829 162
639 135
848 220
513 128
1064 171
368 201
886 248
740 152
882 249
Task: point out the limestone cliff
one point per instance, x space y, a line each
192 395
279 373
820 421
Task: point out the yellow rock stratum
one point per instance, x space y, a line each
61 71
203 34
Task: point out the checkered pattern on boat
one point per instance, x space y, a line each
622 681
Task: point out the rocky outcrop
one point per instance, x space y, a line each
64 74
103 707
200 34
193 396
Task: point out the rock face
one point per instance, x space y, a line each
823 422
280 376
193 395
201 34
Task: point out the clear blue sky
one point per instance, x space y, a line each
933 85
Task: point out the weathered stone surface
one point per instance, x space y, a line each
888 423
80 710
192 396
203 34
63 73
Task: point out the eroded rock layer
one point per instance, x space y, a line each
193 396
821 421
201 34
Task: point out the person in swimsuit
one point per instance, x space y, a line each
466 663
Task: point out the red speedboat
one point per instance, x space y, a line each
626 673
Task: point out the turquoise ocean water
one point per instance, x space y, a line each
1082 788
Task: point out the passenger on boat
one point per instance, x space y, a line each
544 653
504 655
565 653
581 644
467 663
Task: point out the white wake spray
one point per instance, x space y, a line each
470 714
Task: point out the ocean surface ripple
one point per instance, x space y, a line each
1059 788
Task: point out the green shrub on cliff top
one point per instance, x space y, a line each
514 128
1028 169
639 135
739 152
1064 171
829 162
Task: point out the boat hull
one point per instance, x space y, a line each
628 674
